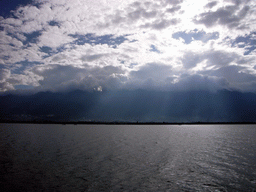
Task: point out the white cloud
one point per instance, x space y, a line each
53 38
8 80
7 40
4 74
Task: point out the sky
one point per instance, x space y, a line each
61 45
161 60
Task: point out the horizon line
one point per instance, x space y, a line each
120 122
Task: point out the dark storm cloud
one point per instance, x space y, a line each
58 77
233 74
201 82
155 76
230 16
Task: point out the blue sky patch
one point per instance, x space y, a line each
23 86
32 37
154 49
45 49
54 23
7 6
5 57
133 65
2 66
24 65
50 51
248 42
196 35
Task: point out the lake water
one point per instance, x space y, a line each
128 157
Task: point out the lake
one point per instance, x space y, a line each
37 157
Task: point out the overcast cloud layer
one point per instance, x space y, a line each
60 45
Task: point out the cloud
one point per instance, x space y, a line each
9 80
141 13
91 57
216 58
201 82
211 4
173 2
161 24
155 76
93 39
191 59
150 15
53 38
159 44
71 78
6 86
230 16
173 9
7 40
156 71
235 75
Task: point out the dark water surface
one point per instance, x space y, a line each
127 157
